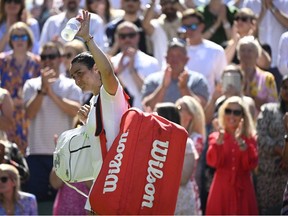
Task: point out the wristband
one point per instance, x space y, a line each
89 39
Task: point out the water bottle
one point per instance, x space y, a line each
71 29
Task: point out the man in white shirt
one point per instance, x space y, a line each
55 24
205 57
131 64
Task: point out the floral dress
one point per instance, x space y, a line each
263 86
13 79
270 177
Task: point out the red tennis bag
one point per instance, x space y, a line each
142 170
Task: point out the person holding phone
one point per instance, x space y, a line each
232 84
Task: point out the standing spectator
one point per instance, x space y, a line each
55 24
232 151
94 72
15 68
258 84
272 22
218 20
12 200
132 65
131 13
245 25
282 62
12 11
6 113
103 9
271 175
205 57
51 101
163 29
193 120
174 81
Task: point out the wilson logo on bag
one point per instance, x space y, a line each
142 170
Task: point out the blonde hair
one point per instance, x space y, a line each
195 109
248 128
13 174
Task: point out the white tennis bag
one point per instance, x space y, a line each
78 155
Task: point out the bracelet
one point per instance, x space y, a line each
89 39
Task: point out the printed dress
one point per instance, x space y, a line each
270 177
13 79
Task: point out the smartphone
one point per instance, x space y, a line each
233 79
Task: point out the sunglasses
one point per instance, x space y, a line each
68 55
127 35
19 37
49 56
242 18
15 1
192 27
234 112
4 179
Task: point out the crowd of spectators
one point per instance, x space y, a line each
222 64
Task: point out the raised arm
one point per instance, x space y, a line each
102 63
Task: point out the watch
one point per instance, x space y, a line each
40 91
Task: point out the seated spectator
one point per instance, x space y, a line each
13 201
175 81
131 64
12 11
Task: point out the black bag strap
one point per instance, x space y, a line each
99 126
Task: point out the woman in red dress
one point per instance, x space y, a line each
232 151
